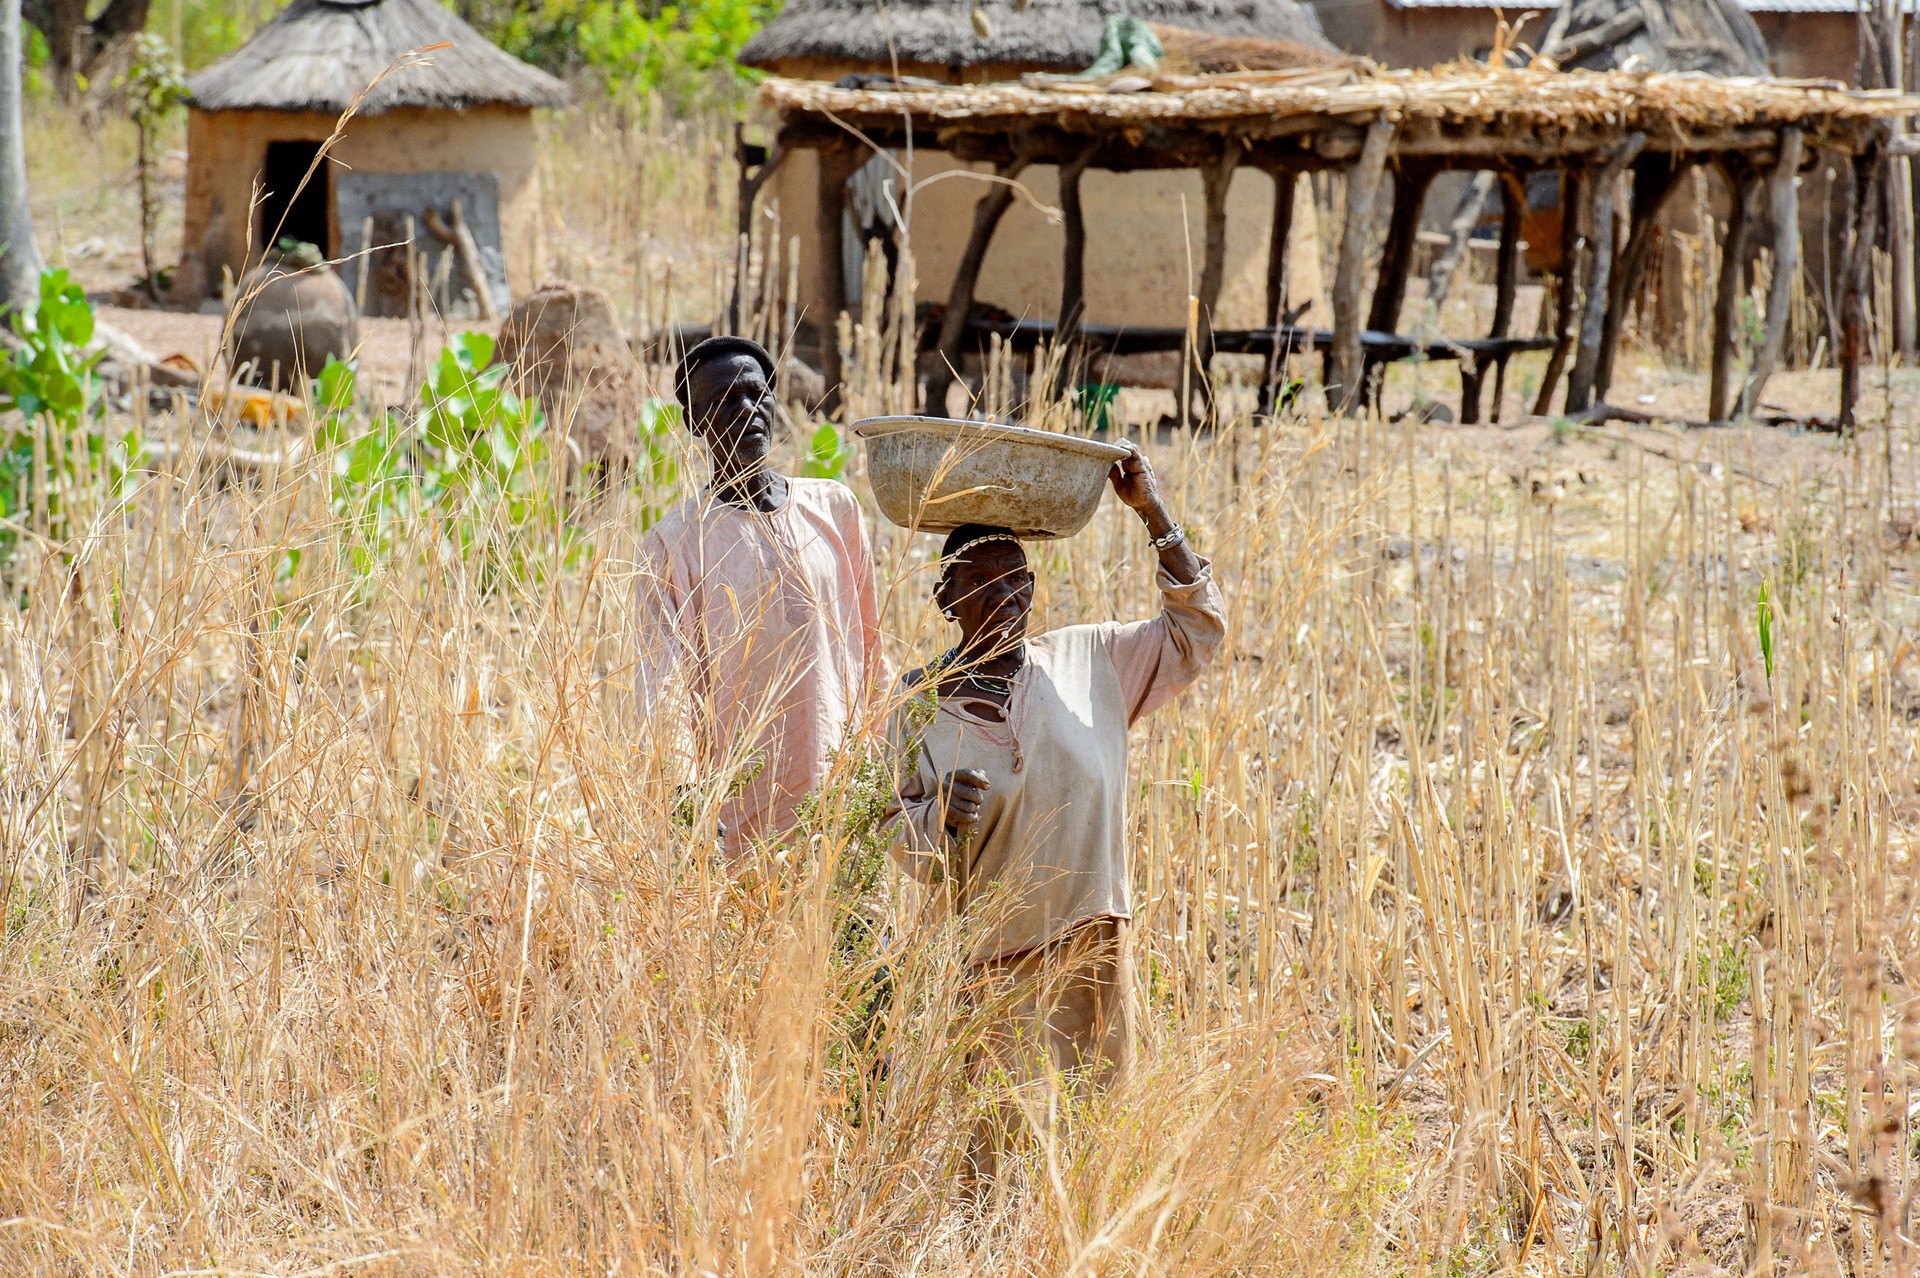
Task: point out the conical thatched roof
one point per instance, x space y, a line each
319 53
826 36
1715 36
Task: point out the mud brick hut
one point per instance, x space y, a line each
1144 226
437 158
1619 142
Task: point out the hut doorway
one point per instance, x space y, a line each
289 210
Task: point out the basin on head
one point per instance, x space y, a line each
937 473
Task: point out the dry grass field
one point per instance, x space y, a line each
1530 887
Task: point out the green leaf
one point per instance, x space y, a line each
1764 619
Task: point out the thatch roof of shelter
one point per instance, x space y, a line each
1042 35
318 55
1715 36
1453 114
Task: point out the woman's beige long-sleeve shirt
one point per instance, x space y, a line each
1050 848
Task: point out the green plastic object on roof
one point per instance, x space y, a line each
1126 42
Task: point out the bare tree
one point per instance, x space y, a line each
20 260
79 42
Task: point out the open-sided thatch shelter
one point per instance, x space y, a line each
1594 127
954 41
454 123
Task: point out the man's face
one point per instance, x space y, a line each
732 409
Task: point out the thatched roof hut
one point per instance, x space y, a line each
318 55
824 39
440 144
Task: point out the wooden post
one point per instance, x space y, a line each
1573 197
1863 207
953 325
1344 362
1073 274
837 165
1073 270
1217 180
1726 301
1506 284
1586 363
1396 259
1784 185
1279 239
1654 182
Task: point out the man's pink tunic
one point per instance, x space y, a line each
759 643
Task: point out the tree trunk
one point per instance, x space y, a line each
20 260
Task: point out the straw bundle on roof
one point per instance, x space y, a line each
318 54
1527 98
825 37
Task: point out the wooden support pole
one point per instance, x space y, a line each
1573 197
1279 241
1602 237
1390 293
1073 272
1344 361
1655 179
837 165
1506 285
1863 206
1217 180
1785 192
953 325
1727 294
1396 259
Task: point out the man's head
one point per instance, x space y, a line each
725 387
985 586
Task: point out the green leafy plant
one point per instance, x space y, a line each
475 462
658 475
827 454
683 51
57 456
156 87
1763 618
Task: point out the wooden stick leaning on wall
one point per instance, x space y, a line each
1586 363
1217 179
1573 197
1729 289
837 166
1346 363
953 325
1784 189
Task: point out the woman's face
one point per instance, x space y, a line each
990 592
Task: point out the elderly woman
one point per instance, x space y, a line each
1014 786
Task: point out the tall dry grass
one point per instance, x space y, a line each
1504 902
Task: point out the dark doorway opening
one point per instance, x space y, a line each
289 210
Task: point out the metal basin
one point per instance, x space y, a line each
936 473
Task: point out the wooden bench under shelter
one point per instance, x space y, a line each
1621 141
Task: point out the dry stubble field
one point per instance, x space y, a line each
1511 898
